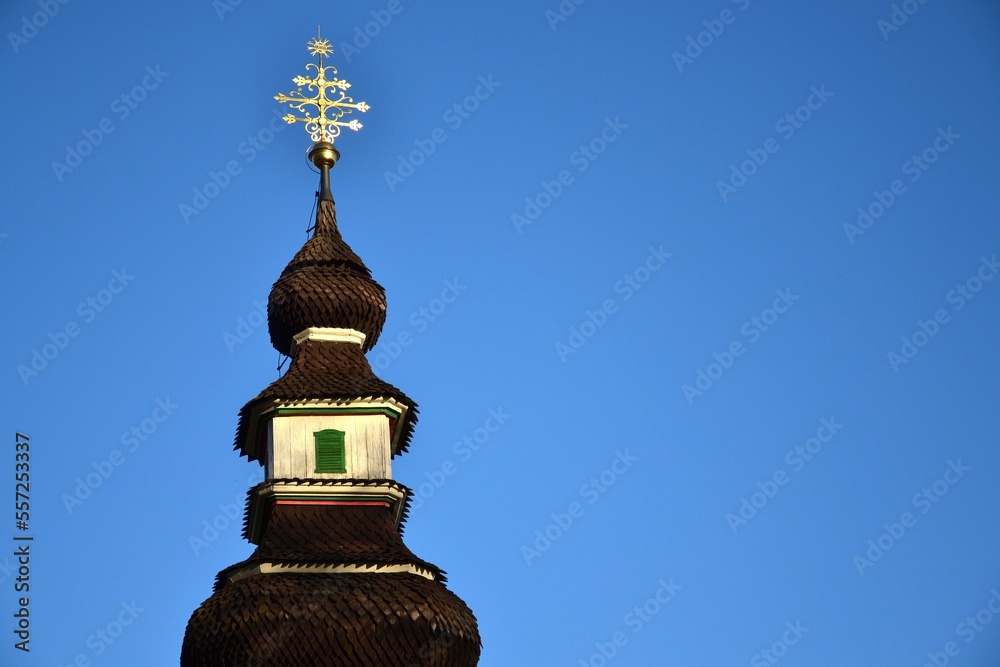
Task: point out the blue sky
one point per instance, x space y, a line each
725 270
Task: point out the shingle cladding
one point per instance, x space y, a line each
311 534
333 485
332 620
325 285
291 604
325 370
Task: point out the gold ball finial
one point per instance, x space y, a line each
323 154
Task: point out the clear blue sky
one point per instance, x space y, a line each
644 196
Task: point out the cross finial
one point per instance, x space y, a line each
329 99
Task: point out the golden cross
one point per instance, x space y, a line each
326 123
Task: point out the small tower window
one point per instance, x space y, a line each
330 454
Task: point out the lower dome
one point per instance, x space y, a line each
332 620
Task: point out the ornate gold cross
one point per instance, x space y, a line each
326 123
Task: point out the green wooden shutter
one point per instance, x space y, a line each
330 451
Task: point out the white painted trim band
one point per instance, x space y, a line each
330 335
278 568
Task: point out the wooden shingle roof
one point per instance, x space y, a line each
301 616
331 583
324 370
325 285
305 534
332 620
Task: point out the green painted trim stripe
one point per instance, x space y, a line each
255 433
281 412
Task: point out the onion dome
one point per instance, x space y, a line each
326 285
332 585
333 620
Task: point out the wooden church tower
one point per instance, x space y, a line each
331 583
